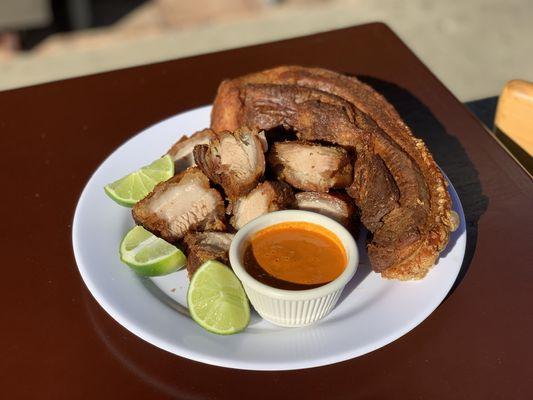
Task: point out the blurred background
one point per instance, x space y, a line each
473 46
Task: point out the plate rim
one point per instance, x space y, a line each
235 363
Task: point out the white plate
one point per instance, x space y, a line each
371 313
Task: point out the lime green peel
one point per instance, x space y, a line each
149 255
134 187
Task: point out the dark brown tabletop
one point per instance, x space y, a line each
58 343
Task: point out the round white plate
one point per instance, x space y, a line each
371 313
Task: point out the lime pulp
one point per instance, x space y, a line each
217 300
149 255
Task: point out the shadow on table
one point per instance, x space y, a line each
449 155
139 358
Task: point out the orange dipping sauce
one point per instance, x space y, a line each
295 256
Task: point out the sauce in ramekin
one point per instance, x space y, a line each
294 256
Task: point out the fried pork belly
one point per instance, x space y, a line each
182 151
234 160
184 203
335 206
205 246
310 166
374 190
398 187
266 197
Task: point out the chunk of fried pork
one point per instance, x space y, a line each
266 197
182 151
234 160
311 166
336 206
205 246
184 203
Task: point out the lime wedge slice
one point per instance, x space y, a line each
149 255
217 301
134 187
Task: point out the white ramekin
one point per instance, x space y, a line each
292 307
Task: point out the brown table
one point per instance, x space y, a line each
58 343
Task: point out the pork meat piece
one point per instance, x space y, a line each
336 206
234 160
374 190
182 151
311 166
184 203
205 246
266 197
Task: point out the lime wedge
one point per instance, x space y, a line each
217 301
149 255
134 187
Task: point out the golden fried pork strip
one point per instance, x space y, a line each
399 189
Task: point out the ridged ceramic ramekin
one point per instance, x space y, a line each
292 308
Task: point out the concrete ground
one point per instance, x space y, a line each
473 46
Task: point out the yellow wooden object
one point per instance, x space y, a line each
514 114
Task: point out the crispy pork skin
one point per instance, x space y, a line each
310 166
205 246
335 206
374 190
399 189
184 203
182 151
234 160
266 197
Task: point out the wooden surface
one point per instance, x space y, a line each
485 111
58 343
514 114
